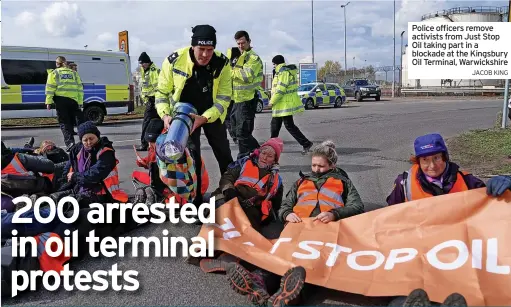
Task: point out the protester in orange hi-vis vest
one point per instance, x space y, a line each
431 174
92 173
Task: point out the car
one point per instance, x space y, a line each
318 94
105 75
262 101
361 88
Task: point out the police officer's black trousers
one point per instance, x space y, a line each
276 124
149 113
230 121
69 114
244 114
217 139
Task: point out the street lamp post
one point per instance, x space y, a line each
401 61
394 69
345 30
353 67
312 21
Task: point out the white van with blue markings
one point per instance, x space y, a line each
106 78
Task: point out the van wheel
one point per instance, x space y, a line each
94 114
259 107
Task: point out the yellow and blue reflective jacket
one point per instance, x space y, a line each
247 76
150 81
284 98
64 82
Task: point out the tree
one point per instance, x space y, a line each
329 68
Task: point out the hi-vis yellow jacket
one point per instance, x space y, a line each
177 68
64 82
149 81
247 76
284 97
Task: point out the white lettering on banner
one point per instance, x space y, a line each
402 255
467 50
456 264
352 260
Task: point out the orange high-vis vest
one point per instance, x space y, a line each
111 181
15 167
47 263
49 176
249 176
413 189
329 197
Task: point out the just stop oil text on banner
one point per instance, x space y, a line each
461 50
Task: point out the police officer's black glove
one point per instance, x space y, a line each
229 194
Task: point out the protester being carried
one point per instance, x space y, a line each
432 173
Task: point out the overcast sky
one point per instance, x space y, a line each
276 27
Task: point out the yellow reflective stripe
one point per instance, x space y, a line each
288 110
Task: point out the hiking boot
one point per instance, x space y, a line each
142 148
246 283
68 147
307 149
30 142
455 300
417 298
290 286
219 264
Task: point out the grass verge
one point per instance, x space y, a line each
48 121
482 152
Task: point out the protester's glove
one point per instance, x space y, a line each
229 194
498 185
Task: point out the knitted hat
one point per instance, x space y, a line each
429 144
277 145
204 35
278 59
144 58
88 127
153 130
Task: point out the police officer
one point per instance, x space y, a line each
201 76
247 76
149 84
285 102
64 89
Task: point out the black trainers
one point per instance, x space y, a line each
30 142
246 283
417 298
68 147
307 149
290 286
455 300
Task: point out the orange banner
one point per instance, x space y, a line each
445 244
123 42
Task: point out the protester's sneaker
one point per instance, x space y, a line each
290 286
219 264
246 283
417 298
455 300
307 149
30 142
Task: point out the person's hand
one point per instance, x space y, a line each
325 217
198 121
48 107
496 186
293 218
229 194
166 121
69 176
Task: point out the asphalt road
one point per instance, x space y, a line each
374 141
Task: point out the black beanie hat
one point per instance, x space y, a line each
278 59
88 127
204 35
144 58
153 130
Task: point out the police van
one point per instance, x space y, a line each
106 78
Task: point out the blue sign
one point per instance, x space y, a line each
308 73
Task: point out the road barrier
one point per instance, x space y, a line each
461 91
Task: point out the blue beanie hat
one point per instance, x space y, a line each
429 144
87 127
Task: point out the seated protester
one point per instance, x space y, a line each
22 173
91 172
431 174
256 182
337 198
